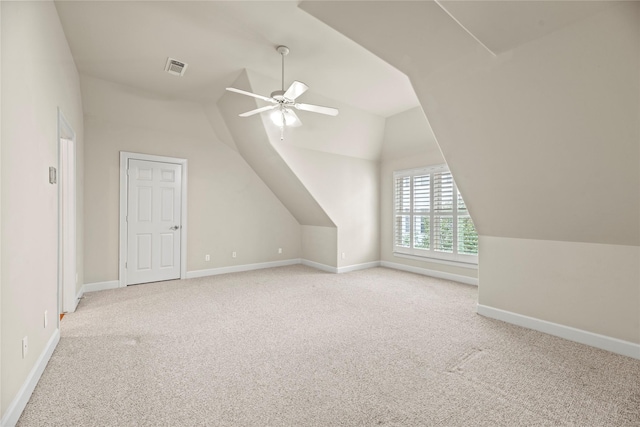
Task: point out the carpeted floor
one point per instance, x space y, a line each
294 346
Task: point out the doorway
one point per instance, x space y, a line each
152 218
67 268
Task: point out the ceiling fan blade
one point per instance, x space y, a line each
317 109
255 95
295 90
258 110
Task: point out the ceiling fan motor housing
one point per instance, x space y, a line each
278 95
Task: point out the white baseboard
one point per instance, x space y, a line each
323 267
239 268
356 267
603 342
248 267
432 273
15 408
113 284
99 286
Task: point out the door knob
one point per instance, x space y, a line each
175 227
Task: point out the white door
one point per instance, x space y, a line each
154 225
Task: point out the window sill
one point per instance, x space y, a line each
460 264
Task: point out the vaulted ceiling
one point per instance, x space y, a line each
535 60
128 42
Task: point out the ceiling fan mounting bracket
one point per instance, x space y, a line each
282 50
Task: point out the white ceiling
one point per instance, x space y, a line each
128 42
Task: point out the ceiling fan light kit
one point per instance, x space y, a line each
285 117
283 101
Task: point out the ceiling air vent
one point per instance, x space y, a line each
175 67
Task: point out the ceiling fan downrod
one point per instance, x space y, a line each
283 51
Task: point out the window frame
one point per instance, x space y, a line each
427 254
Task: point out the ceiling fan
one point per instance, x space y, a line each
283 102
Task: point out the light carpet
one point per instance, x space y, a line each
295 346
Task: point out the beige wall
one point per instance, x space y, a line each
38 76
229 207
600 289
550 158
326 172
319 245
347 188
1 407
550 139
408 133
337 160
542 138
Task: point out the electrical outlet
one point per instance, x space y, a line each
343 256
233 254
46 319
279 250
207 257
25 346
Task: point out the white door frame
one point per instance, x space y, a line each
124 161
67 221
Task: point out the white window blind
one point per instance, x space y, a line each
430 217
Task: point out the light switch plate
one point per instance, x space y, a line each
53 178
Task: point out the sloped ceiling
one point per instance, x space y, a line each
255 147
128 42
503 25
406 34
407 134
353 132
543 139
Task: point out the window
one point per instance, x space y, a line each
430 217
